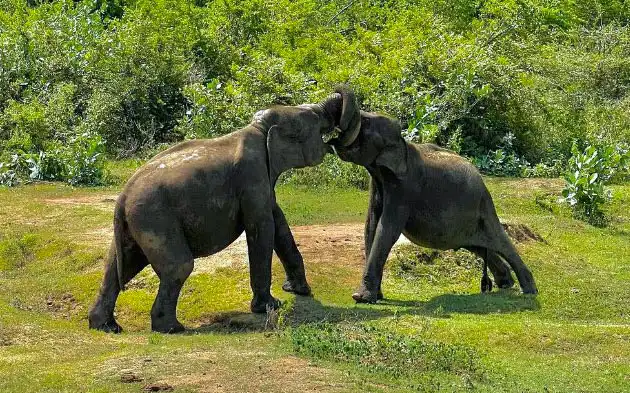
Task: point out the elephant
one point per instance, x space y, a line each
197 197
433 196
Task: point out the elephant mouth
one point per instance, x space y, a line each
331 137
343 140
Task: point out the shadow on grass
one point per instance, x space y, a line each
308 310
232 322
501 302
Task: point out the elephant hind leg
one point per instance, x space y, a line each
495 238
101 314
506 249
171 258
500 270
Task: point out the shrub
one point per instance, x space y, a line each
80 162
589 170
84 160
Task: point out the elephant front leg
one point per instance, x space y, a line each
289 255
387 231
260 239
375 210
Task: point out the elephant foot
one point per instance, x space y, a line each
365 296
528 286
302 289
530 290
105 324
486 284
505 282
260 306
167 326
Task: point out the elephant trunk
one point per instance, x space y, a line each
342 106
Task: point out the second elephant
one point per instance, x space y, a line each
433 196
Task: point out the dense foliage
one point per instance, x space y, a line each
462 73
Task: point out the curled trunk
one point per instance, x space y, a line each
344 110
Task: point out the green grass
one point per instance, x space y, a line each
434 331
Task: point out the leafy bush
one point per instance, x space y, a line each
84 160
588 171
498 163
505 162
332 172
81 162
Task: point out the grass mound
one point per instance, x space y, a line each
413 262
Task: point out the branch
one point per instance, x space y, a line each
341 11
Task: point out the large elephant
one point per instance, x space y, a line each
197 197
432 195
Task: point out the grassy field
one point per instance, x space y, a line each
434 331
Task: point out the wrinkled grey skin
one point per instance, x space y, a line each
433 196
197 197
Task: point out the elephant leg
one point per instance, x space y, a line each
370 231
499 269
168 253
289 255
259 229
387 231
375 209
172 278
498 242
525 278
101 314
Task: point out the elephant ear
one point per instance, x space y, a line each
394 158
283 151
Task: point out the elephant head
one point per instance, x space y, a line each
378 144
295 133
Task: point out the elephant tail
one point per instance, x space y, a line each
119 226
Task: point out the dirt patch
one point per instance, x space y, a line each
319 244
130 377
529 185
284 375
145 280
104 203
158 387
228 370
521 233
5 340
63 305
84 200
234 255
